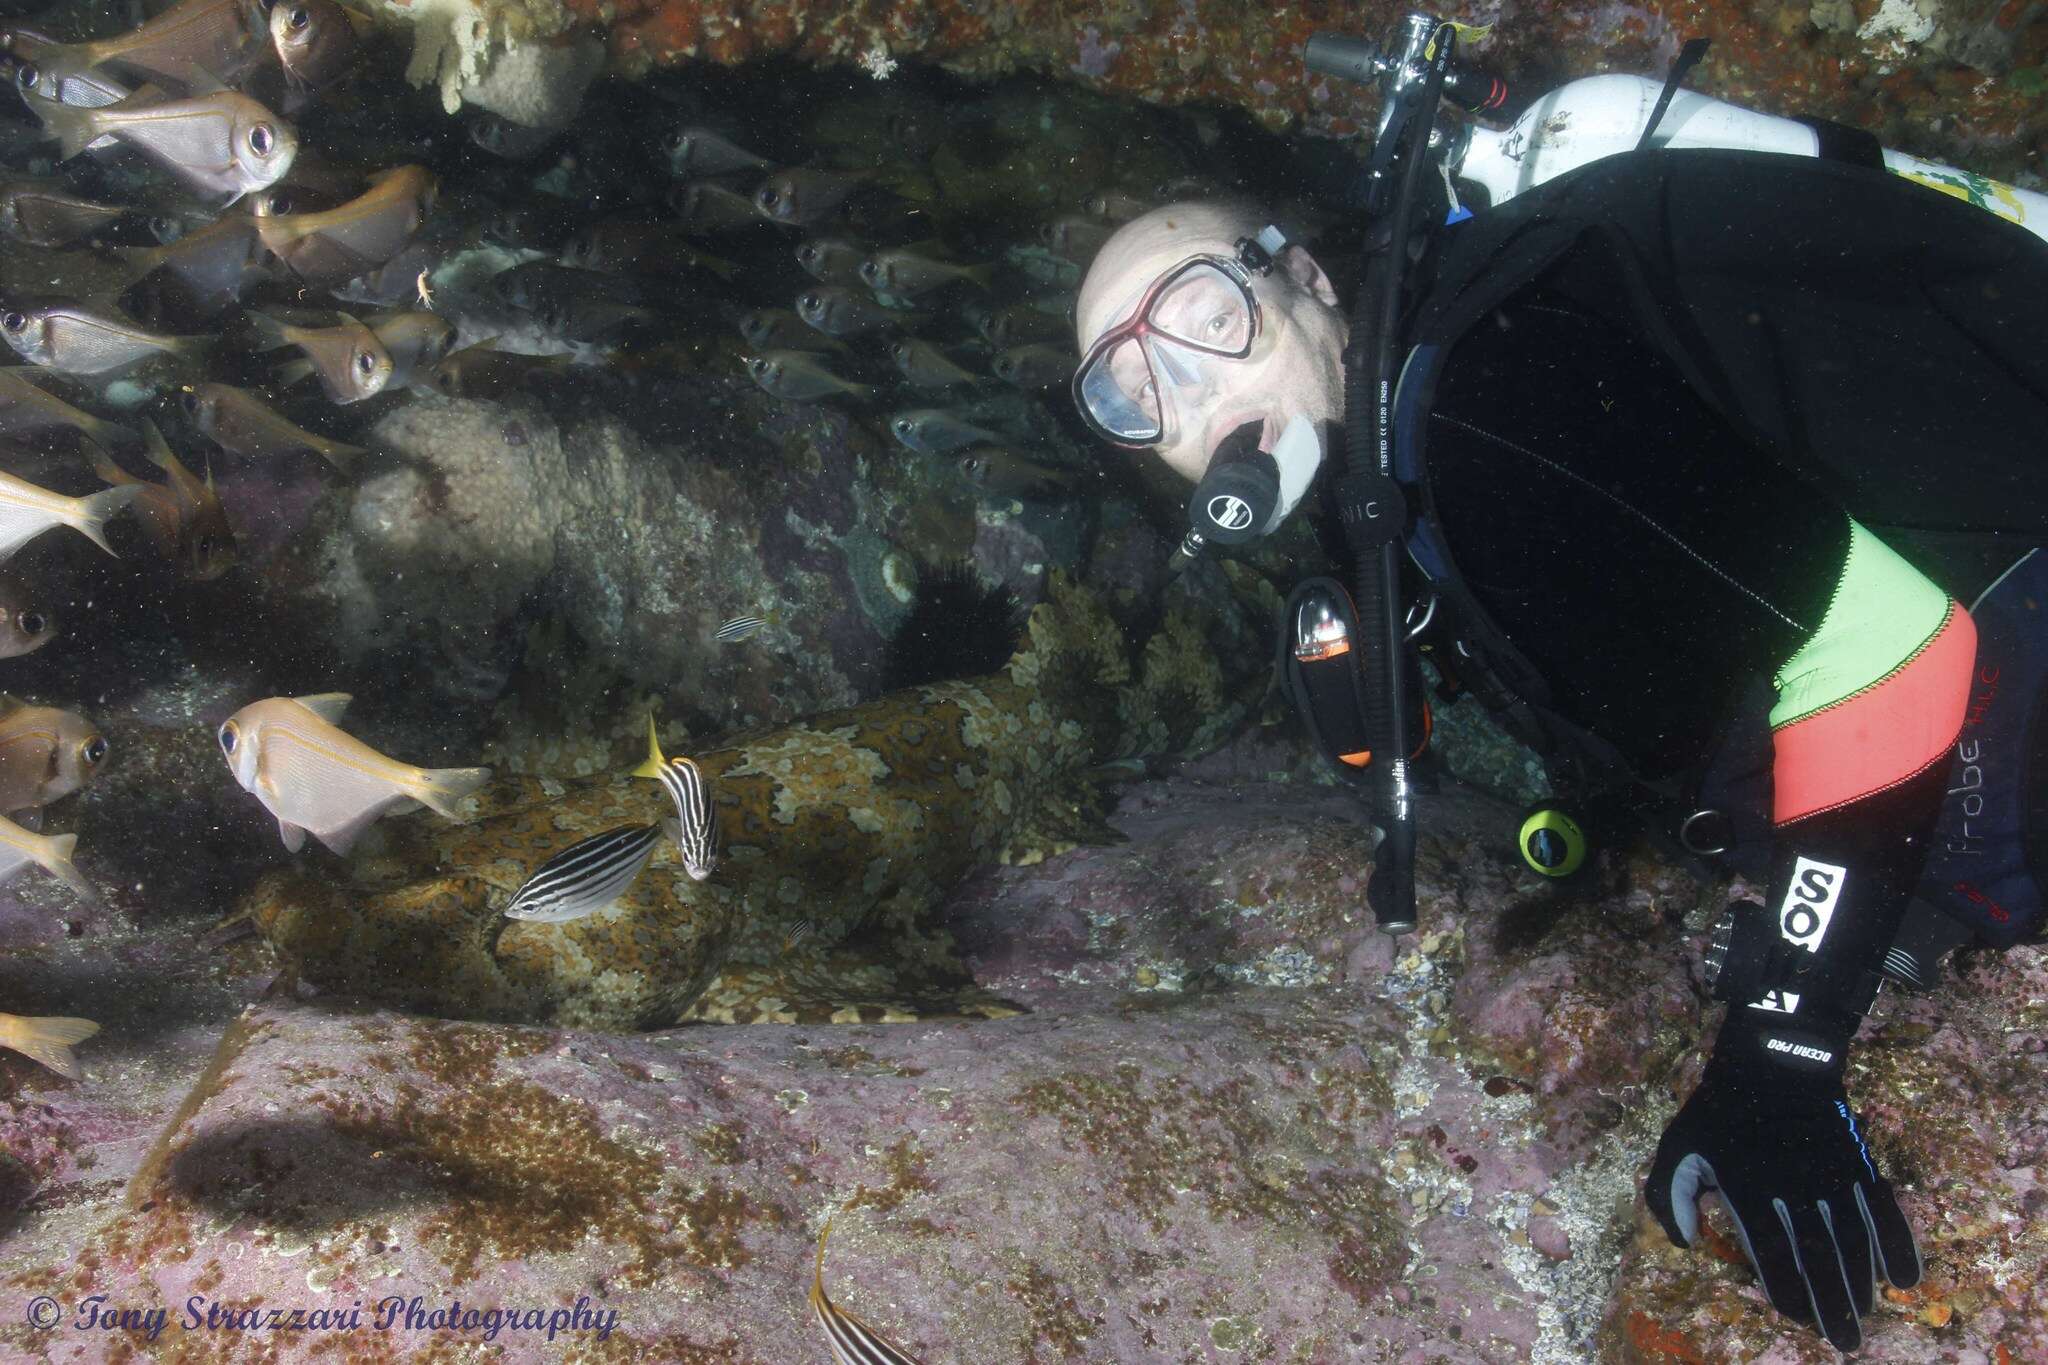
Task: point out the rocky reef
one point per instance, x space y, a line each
1236 1123
1954 80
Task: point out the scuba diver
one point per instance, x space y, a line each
1701 454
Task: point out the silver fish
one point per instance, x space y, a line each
192 43
316 41
737 629
208 271
51 852
78 338
1005 474
585 877
240 422
840 312
906 273
798 196
318 779
351 362
1034 366
415 340
357 237
223 143
707 208
48 1039
928 367
1115 206
699 151
26 625
934 431
503 138
27 511
1019 323
1074 237
797 376
25 408
770 329
40 213
831 260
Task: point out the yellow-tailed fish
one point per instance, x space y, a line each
50 852
357 237
832 260
47 1039
780 329
695 826
195 43
699 152
27 511
41 213
928 367
240 422
182 515
26 625
45 754
73 337
634 248
840 312
317 779
223 142
852 1341
27 408
351 362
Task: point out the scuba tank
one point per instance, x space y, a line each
1605 115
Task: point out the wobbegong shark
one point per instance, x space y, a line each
841 834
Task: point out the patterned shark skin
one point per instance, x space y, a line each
857 822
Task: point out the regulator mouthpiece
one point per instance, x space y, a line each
1236 499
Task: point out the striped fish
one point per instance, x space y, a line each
738 629
803 930
586 876
853 1342
695 826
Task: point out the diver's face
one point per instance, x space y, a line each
1295 368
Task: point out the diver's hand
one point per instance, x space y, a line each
1780 1145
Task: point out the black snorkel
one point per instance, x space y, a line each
1370 504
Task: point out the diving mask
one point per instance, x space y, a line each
1200 311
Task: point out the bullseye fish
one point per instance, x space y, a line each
40 213
26 625
317 779
699 151
45 754
695 826
27 511
241 422
852 1341
934 431
351 362
316 41
74 337
223 143
585 877
51 852
799 196
182 515
26 408
46 1039
195 42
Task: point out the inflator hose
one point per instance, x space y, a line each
1371 506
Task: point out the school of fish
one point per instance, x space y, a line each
291 259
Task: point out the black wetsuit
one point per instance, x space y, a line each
1645 393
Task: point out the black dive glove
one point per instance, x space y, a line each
1770 1129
